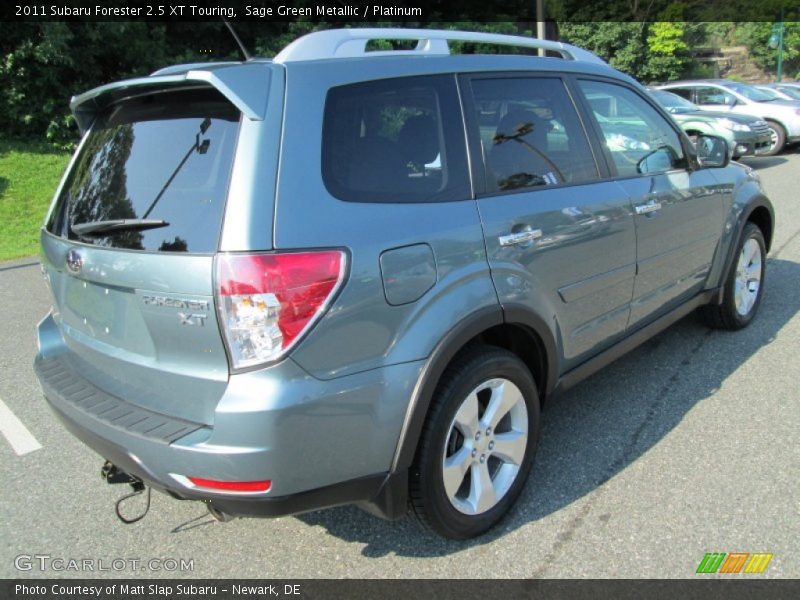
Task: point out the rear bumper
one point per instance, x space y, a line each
320 443
372 492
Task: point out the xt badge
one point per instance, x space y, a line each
192 318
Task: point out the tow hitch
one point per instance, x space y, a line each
114 475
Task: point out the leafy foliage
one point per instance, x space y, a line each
756 37
43 64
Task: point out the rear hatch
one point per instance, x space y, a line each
129 248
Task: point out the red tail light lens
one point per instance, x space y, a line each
231 486
267 301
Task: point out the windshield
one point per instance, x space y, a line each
152 174
771 93
791 91
749 92
673 102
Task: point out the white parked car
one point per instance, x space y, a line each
782 116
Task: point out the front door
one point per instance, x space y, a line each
678 211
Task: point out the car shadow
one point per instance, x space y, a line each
762 162
597 429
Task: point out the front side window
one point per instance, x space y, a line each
750 92
395 140
530 134
714 96
638 139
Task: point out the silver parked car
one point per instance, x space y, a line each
342 276
746 135
782 116
781 91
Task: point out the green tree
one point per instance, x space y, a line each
54 60
622 44
756 37
668 52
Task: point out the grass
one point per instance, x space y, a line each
29 174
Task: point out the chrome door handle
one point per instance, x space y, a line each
521 237
643 209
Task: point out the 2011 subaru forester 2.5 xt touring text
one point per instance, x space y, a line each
343 276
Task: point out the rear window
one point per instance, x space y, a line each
395 140
152 175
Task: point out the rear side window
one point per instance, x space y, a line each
685 93
395 140
152 175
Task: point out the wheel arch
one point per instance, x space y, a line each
777 122
696 129
759 212
514 328
762 216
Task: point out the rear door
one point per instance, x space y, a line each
129 245
560 241
678 210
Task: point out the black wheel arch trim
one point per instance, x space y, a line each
442 355
519 314
744 218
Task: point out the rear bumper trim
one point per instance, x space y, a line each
60 381
371 491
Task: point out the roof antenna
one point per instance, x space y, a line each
238 41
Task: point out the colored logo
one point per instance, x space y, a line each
734 562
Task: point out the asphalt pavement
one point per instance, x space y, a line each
686 446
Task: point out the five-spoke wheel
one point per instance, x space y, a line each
477 445
485 447
745 283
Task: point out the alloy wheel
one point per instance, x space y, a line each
485 446
748 277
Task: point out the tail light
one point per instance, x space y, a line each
268 301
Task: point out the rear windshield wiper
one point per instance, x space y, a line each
93 227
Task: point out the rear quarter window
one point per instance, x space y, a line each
395 140
162 157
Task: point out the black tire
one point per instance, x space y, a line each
726 315
430 502
779 138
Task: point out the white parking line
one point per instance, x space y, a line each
21 440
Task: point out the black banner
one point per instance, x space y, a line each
222 589
398 11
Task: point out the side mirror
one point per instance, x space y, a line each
712 151
730 100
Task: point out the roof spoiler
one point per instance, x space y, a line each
246 86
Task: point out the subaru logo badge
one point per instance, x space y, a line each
74 261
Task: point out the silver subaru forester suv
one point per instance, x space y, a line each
343 276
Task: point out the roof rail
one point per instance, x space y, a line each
351 43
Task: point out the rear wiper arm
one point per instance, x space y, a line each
117 225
